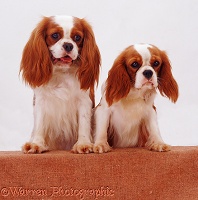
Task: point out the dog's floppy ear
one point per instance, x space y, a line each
36 66
88 72
167 85
118 83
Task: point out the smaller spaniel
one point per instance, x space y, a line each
126 115
61 63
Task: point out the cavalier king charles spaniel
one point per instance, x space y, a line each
61 63
126 115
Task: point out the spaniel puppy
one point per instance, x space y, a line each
61 63
126 116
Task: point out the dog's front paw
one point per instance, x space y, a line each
82 148
158 147
30 148
102 147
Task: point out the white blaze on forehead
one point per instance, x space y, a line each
140 79
143 50
66 22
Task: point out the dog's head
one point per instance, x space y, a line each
61 42
141 66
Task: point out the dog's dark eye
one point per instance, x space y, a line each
135 65
77 38
55 36
156 63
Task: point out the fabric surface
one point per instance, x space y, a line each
129 173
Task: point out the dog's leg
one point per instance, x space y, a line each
101 126
155 141
31 148
37 142
84 143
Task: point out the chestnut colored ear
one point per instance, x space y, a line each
88 72
167 85
118 83
36 66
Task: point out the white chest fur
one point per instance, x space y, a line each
56 110
126 116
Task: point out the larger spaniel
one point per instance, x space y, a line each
126 116
61 63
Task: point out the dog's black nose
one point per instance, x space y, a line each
148 74
68 46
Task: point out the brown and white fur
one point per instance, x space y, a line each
61 63
126 115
